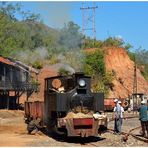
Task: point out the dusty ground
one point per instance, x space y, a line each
13 133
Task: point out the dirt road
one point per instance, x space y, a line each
13 133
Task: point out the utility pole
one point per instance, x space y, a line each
88 19
135 77
134 96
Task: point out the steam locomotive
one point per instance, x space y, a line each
69 107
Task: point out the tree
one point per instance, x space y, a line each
30 17
141 57
18 35
11 10
94 63
128 46
113 41
94 66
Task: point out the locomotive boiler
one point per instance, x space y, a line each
69 106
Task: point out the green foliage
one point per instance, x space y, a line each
108 77
113 41
94 66
53 59
63 72
98 86
103 83
141 57
94 63
29 34
109 42
11 10
128 46
35 82
90 43
131 55
17 35
37 64
145 71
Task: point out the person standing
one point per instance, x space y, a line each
143 117
117 117
122 113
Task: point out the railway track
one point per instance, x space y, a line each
131 130
133 135
126 134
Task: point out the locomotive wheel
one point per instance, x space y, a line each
52 128
51 125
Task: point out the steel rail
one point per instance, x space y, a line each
130 131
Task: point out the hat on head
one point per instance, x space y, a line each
142 102
116 100
119 101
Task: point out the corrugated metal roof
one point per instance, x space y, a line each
6 61
28 68
18 64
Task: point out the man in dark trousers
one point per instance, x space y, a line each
117 117
34 125
143 117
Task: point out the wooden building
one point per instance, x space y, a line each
15 77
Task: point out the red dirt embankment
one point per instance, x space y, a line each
118 61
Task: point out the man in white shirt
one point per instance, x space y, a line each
122 112
118 116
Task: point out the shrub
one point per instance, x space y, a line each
63 72
94 63
94 66
37 65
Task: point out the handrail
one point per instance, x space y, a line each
18 86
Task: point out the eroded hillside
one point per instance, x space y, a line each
117 61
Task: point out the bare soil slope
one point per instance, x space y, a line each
117 61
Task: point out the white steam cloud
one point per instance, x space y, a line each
32 56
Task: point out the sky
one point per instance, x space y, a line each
126 20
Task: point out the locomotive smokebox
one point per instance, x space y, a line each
82 82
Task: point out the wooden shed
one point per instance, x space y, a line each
14 77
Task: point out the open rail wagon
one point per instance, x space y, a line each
69 107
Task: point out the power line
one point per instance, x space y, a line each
88 18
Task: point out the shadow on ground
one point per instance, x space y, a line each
77 140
